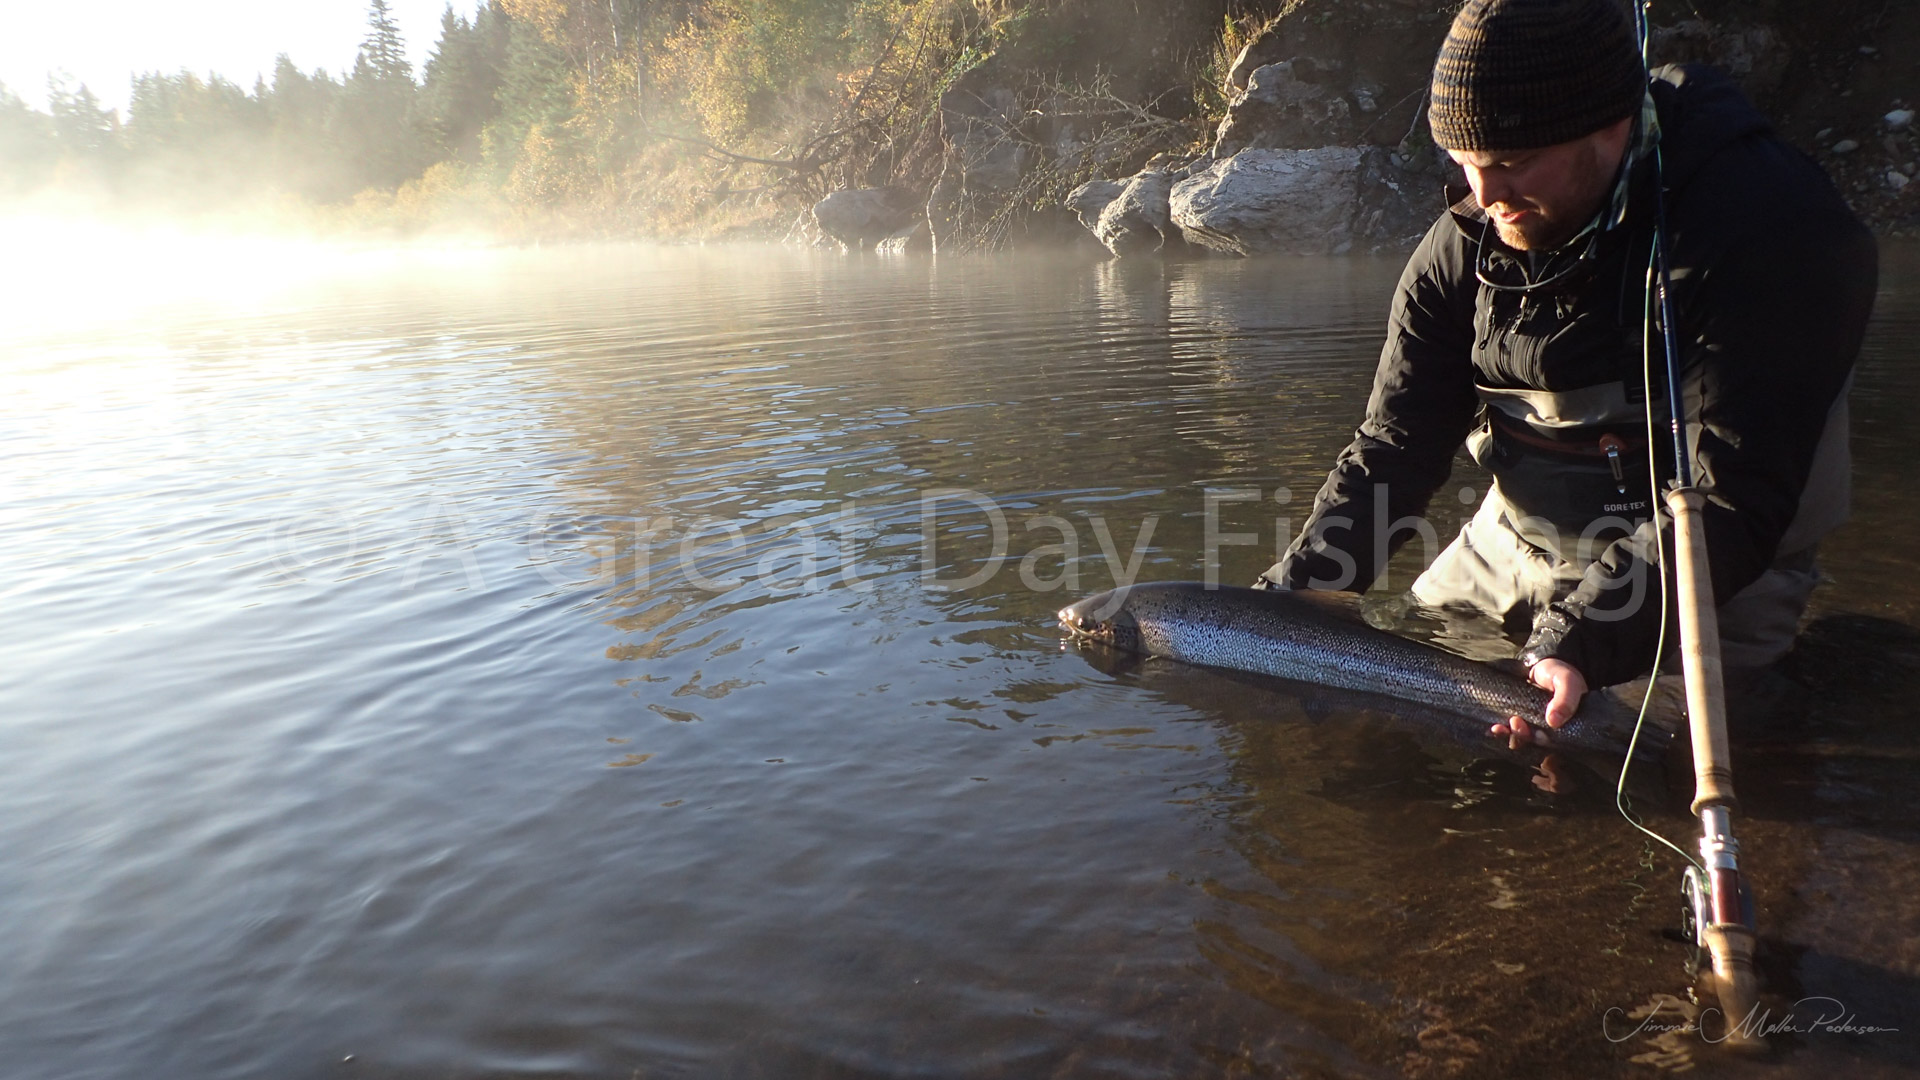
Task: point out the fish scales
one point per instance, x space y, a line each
1308 638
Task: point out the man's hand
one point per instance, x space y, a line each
1568 687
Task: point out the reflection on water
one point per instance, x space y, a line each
622 662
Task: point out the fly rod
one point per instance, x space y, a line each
1718 908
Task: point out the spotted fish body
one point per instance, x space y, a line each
1314 638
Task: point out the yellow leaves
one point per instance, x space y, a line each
548 16
547 171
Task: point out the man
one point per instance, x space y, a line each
1519 325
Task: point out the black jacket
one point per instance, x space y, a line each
1773 282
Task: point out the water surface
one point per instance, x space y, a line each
619 662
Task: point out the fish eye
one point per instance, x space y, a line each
1077 620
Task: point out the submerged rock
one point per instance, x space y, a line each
1259 201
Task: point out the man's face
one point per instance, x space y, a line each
1539 198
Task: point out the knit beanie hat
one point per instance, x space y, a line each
1522 74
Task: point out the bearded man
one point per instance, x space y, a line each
1523 326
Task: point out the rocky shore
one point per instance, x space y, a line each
1323 146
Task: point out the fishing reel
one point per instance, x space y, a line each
1696 912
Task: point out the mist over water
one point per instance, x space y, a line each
624 661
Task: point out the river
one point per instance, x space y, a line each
625 662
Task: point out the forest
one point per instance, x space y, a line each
670 118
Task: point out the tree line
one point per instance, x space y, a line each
637 115
491 79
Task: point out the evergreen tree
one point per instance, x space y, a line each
458 98
375 123
383 55
187 115
27 146
81 127
303 153
535 92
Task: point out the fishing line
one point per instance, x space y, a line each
1656 266
1660 547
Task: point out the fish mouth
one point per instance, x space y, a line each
1076 620
1097 618
1090 619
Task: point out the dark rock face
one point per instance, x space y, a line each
986 152
1254 55
1754 54
980 122
1293 104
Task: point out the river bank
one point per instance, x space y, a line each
1317 143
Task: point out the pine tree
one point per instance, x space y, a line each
534 93
458 98
383 55
27 146
304 155
80 126
375 125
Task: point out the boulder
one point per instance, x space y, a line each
861 217
1090 198
915 239
1137 221
1267 48
1289 105
1259 201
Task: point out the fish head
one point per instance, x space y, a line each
1103 618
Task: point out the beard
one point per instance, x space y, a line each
1544 229
1538 233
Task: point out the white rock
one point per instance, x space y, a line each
1898 119
1090 198
1136 222
1845 146
1293 201
1897 179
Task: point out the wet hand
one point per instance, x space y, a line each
1568 687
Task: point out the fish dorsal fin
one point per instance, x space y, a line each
1343 605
